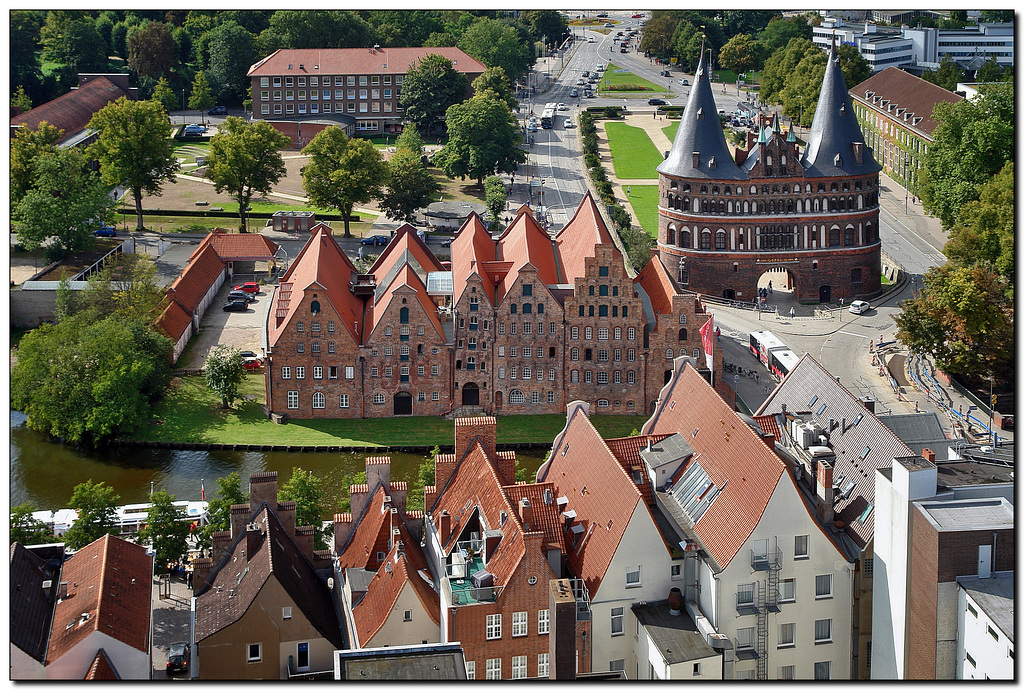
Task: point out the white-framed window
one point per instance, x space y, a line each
300 347
318 372
254 652
602 355
286 372
787 672
787 634
378 398
330 347
542 621
535 397
617 665
800 546
574 332
319 401
374 372
588 333
823 586
516 397
602 377
277 108
787 589
494 626
631 334
286 612
421 370
602 334
471 670
618 333
603 402
618 615
343 401
421 396
316 348
519 666
435 396
265 81
822 670
350 372
630 376
293 400
265 109
375 93
630 355
542 665
745 638
388 371
632 576
745 594
588 376
434 369
676 570
493 669
822 630
300 372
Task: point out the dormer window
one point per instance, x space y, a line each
842 109
839 160
700 113
712 164
314 306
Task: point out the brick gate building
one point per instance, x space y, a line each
726 219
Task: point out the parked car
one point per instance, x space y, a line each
586 73
247 287
218 110
684 82
252 363
375 240
580 82
590 94
656 101
177 657
569 124
575 93
194 130
665 73
447 242
106 231
859 306
236 305
238 294
636 16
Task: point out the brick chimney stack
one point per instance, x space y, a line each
253 538
378 470
825 492
359 495
286 514
444 527
342 530
562 631
239 513
221 543
469 428
262 487
304 540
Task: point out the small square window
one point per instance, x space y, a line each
286 612
254 653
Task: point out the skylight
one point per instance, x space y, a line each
822 408
813 400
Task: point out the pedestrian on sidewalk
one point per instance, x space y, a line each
627 190
792 312
769 287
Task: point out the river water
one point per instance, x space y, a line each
44 473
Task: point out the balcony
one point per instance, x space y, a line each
465 561
769 559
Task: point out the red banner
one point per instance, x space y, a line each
707 339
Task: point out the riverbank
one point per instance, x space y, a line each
190 414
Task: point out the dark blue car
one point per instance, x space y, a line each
106 231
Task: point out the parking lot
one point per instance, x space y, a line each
240 329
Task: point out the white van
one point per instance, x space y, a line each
590 39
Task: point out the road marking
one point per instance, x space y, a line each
858 335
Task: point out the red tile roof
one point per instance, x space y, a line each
734 457
471 247
241 246
371 534
200 273
109 591
321 263
398 569
584 470
906 91
72 111
655 281
405 247
577 239
173 320
546 516
525 242
338 61
627 452
101 668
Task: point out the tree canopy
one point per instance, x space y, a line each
793 75
232 51
342 172
125 287
96 505
495 80
245 159
410 185
26 148
483 139
27 530
163 95
224 372
70 38
497 45
741 53
307 490
201 98
229 492
151 50
495 197
134 148
430 86
165 531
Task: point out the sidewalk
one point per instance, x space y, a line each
171 623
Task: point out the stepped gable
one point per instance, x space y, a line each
700 132
834 131
656 282
471 247
321 264
405 277
577 239
525 242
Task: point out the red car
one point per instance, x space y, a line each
637 16
253 364
248 287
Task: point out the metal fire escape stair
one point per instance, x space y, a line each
767 602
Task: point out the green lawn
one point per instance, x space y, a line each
633 153
612 78
671 130
644 200
190 414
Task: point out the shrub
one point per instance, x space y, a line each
591 160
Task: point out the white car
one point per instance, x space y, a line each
859 306
568 124
563 106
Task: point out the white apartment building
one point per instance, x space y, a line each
985 627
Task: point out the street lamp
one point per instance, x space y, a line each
183 106
906 187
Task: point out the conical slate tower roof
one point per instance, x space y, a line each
830 145
701 132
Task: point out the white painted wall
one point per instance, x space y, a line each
24 667
649 654
992 658
397 631
131 663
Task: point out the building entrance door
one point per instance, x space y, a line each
470 394
403 404
825 294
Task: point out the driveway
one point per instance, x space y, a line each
241 329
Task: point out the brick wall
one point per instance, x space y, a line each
474 318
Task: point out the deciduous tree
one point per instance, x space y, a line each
316 29
409 184
66 204
163 95
201 98
430 86
26 148
497 45
27 530
495 197
495 80
134 148
307 490
229 493
20 99
165 531
224 372
70 37
483 139
97 514
342 172
779 32
151 50
245 159
126 287
741 53
232 51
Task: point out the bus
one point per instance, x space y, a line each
547 118
782 361
762 342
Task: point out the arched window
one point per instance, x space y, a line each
682 334
848 236
686 203
720 239
403 315
686 187
314 306
684 239
668 353
833 237
696 353
671 235
540 308
516 397
319 401
705 239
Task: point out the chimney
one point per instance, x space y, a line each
696 159
928 454
378 469
442 471
506 466
769 440
526 513
469 428
562 631
221 543
253 539
200 572
398 492
429 496
444 527
750 139
358 496
342 530
286 514
304 540
239 513
414 522
825 492
262 487
869 403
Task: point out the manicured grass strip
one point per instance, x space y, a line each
190 414
613 78
671 130
644 200
633 153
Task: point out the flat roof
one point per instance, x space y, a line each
676 637
995 597
969 514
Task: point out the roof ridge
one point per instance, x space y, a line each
104 559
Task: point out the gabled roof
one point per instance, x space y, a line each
241 246
525 242
73 111
700 131
584 470
398 569
405 247
196 279
302 62
371 533
904 90
407 277
238 579
31 605
102 668
173 320
578 238
471 246
658 285
741 468
109 591
321 264
809 380
546 516
829 151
